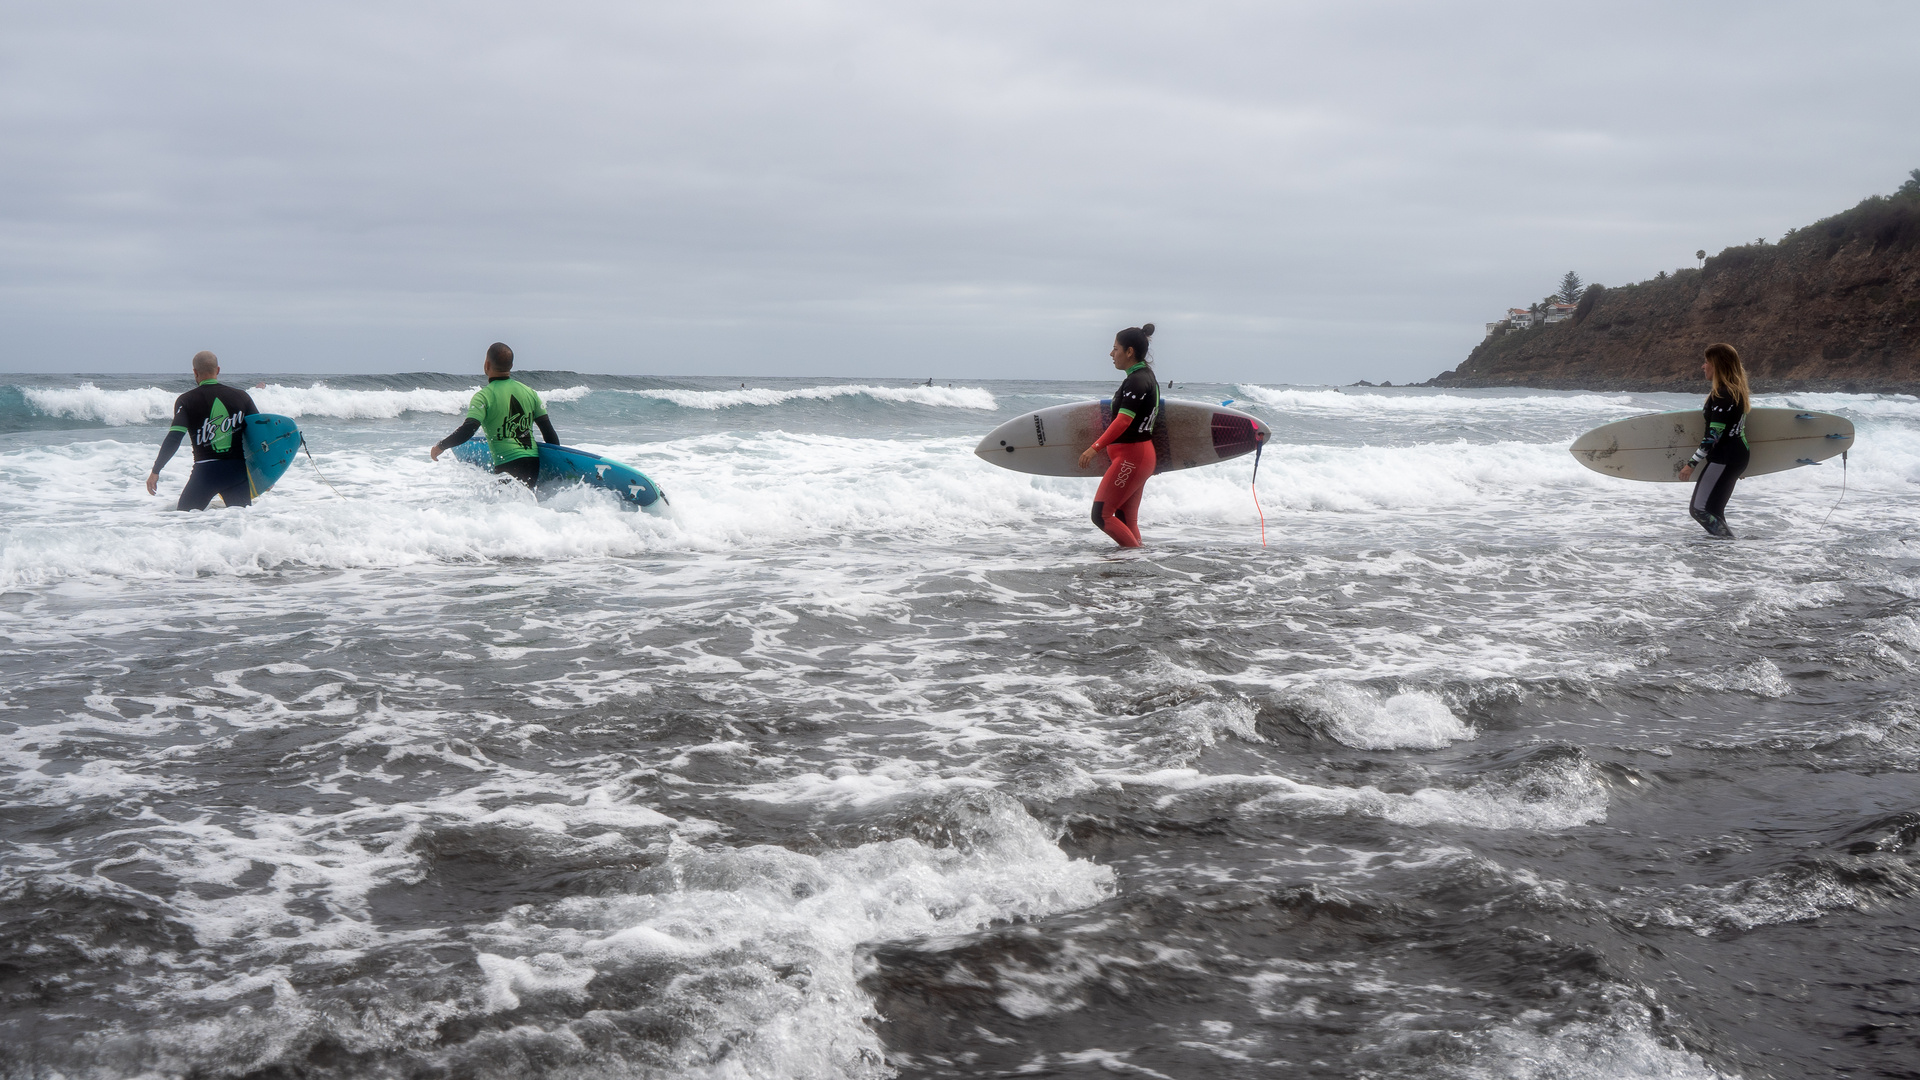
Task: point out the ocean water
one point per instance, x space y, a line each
871 759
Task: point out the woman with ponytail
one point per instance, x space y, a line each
1128 441
1724 450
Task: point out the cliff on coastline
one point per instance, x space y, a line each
1833 306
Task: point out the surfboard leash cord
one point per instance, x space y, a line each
316 469
1254 486
1843 486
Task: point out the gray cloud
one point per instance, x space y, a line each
1305 192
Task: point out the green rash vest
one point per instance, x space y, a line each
506 410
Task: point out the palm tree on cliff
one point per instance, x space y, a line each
1569 289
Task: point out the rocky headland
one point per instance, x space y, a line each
1832 306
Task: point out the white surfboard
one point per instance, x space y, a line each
1190 434
1654 446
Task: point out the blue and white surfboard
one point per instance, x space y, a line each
566 465
269 443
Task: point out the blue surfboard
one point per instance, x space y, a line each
566 465
269 443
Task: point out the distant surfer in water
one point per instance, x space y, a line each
211 415
1128 441
508 409
1724 449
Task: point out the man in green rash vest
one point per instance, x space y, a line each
507 411
212 416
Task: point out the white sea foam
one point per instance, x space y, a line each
1761 678
401 509
323 400
1355 716
118 408
738 918
764 944
1803 892
1414 567
115 407
77 509
1623 1047
949 397
1867 407
1562 796
1409 402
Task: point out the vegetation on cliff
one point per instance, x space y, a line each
1833 305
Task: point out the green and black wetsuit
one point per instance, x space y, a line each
211 415
507 410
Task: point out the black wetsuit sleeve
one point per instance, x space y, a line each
167 447
546 429
460 434
1723 416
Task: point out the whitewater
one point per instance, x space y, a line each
870 759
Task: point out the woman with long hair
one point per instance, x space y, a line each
1128 440
1724 449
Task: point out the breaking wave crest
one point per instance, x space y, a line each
948 397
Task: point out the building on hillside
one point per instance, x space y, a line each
1539 315
1517 319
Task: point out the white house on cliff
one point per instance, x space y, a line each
1539 314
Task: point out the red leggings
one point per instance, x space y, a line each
1116 506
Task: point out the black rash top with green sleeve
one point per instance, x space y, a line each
211 415
1139 397
1726 438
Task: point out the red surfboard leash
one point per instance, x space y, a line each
1254 484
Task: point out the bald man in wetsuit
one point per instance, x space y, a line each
211 415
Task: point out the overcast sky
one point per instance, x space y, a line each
1305 192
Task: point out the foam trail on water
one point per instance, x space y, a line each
1558 794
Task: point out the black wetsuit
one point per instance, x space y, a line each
211 415
1722 457
1139 395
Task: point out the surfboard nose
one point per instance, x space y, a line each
995 445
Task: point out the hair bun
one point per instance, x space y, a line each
1147 329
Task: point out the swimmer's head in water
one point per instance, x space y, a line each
205 365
